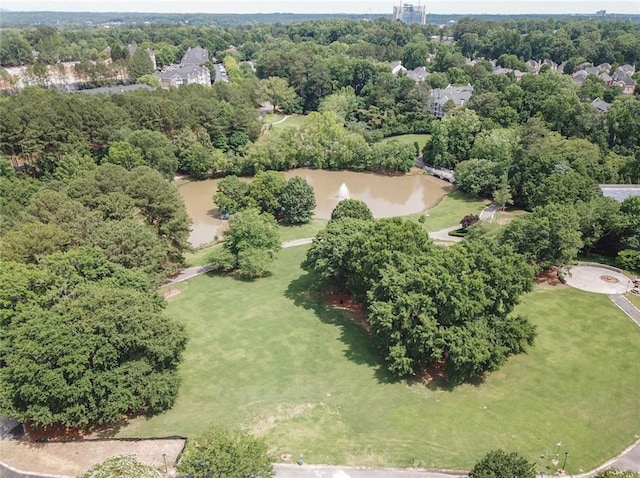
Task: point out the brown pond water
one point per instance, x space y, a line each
386 196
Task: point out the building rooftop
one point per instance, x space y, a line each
195 56
458 94
620 192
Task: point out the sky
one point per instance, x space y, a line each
326 6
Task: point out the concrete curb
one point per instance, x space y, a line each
609 463
604 266
8 471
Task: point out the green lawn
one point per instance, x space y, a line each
410 139
272 118
274 122
199 256
450 211
289 233
269 356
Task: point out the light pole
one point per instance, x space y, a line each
566 454
559 444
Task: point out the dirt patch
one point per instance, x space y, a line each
281 413
73 458
167 294
354 310
551 276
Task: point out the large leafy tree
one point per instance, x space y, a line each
453 307
549 236
353 208
139 64
161 207
332 251
14 49
33 241
265 190
84 342
231 195
453 139
501 464
479 177
252 242
566 188
428 305
132 245
220 452
277 91
629 225
297 201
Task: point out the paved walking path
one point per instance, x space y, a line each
443 234
487 214
328 471
627 460
189 272
628 308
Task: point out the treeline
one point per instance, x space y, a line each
167 130
196 130
560 40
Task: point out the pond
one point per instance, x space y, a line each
386 196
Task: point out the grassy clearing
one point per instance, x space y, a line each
410 139
450 211
505 217
271 357
289 233
272 118
279 122
199 256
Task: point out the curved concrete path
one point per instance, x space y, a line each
627 307
487 214
329 471
189 272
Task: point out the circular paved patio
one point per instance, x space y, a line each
600 280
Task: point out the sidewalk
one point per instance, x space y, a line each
328 471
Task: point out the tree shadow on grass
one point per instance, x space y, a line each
305 291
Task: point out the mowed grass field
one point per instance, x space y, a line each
280 121
410 139
271 357
450 211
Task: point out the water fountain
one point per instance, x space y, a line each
343 192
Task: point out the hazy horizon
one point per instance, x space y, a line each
491 7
